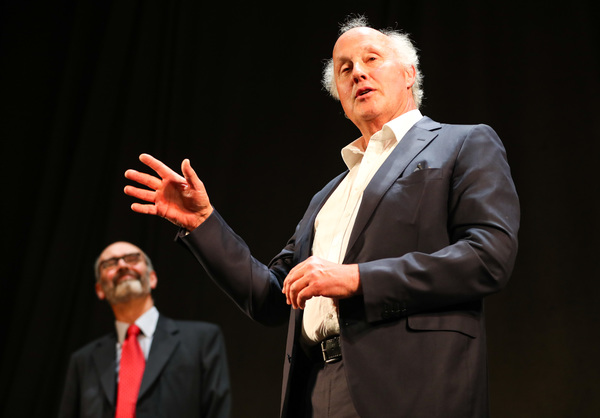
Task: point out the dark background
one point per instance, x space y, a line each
87 86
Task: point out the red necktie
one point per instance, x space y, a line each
131 371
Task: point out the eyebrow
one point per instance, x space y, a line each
121 256
367 49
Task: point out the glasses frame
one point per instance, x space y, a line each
129 259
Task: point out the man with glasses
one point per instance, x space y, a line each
151 365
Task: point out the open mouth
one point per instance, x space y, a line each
363 92
125 277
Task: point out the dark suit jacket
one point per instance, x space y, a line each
186 375
436 232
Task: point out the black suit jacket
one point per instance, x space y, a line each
435 233
186 375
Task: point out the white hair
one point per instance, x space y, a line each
400 42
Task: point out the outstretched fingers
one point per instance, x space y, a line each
181 200
144 209
142 194
160 168
144 179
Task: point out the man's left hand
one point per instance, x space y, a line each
318 277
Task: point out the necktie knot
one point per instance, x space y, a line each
133 330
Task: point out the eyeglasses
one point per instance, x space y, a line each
110 263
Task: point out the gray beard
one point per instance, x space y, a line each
128 290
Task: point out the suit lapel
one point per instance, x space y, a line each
104 357
306 231
415 140
164 342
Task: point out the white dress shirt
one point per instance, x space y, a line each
335 221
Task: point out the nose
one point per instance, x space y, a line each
358 73
121 263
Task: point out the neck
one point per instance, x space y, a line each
369 127
131 310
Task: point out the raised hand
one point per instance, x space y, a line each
181 200
318 277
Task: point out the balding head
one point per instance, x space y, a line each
124 272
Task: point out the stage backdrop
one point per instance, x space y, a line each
87 86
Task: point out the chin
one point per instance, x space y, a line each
367 113
127 290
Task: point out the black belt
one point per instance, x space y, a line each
329 350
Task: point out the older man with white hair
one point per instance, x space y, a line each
388 268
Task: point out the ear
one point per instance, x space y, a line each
100 292
410 75
153 280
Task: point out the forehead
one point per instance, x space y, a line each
358 40
118 249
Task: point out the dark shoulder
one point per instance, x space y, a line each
108 339
429 124
457 133
201 335
197 326
189 329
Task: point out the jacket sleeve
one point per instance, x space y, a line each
254 287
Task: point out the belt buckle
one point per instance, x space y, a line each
332 343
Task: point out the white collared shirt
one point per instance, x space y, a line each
336 218
147 324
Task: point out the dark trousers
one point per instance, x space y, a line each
329 394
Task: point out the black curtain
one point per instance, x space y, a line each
87 86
